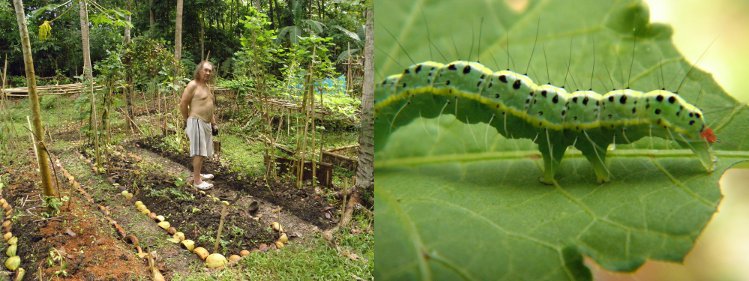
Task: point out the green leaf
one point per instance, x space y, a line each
348 33
457 201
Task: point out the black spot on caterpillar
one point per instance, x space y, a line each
545 120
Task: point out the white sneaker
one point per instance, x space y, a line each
203 185
206 176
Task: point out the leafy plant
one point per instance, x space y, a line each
209 238
457 201
179 182
52 205
56 258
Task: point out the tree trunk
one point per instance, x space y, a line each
202 36
85 40
88 75
128 90
151 17
129 19
365 170
28 61
178 37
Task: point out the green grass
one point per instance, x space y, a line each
243 157
312 260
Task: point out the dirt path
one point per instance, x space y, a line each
170 258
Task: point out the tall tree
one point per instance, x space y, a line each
178 36
83 12
128 79
129 20
151 17
28 61
365 170
88 74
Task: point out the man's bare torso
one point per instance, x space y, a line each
202 105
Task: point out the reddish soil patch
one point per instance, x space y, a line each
302 202
79 236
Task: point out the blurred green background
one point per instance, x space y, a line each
722 251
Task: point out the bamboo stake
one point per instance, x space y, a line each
314 135
220 227
44 165
6 116
33 139
5 68
95 127
348 71
305 105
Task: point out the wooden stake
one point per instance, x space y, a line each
2 93
33 139
220 227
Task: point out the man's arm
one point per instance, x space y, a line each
186 99
213 116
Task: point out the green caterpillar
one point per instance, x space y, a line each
550 116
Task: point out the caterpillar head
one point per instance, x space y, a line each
673 111
686 120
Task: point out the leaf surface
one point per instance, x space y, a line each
457 201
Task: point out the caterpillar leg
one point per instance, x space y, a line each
552 146
595 152
703 151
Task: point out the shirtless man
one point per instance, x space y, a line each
197 109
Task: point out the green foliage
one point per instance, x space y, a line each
208 239
307 27
49 102
52 205
240 84
10 43
56 258
315 52
299 59
114 17
341 105
221 23
150 64
176 195
111 69
17 81
457 201
259 50
173 143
